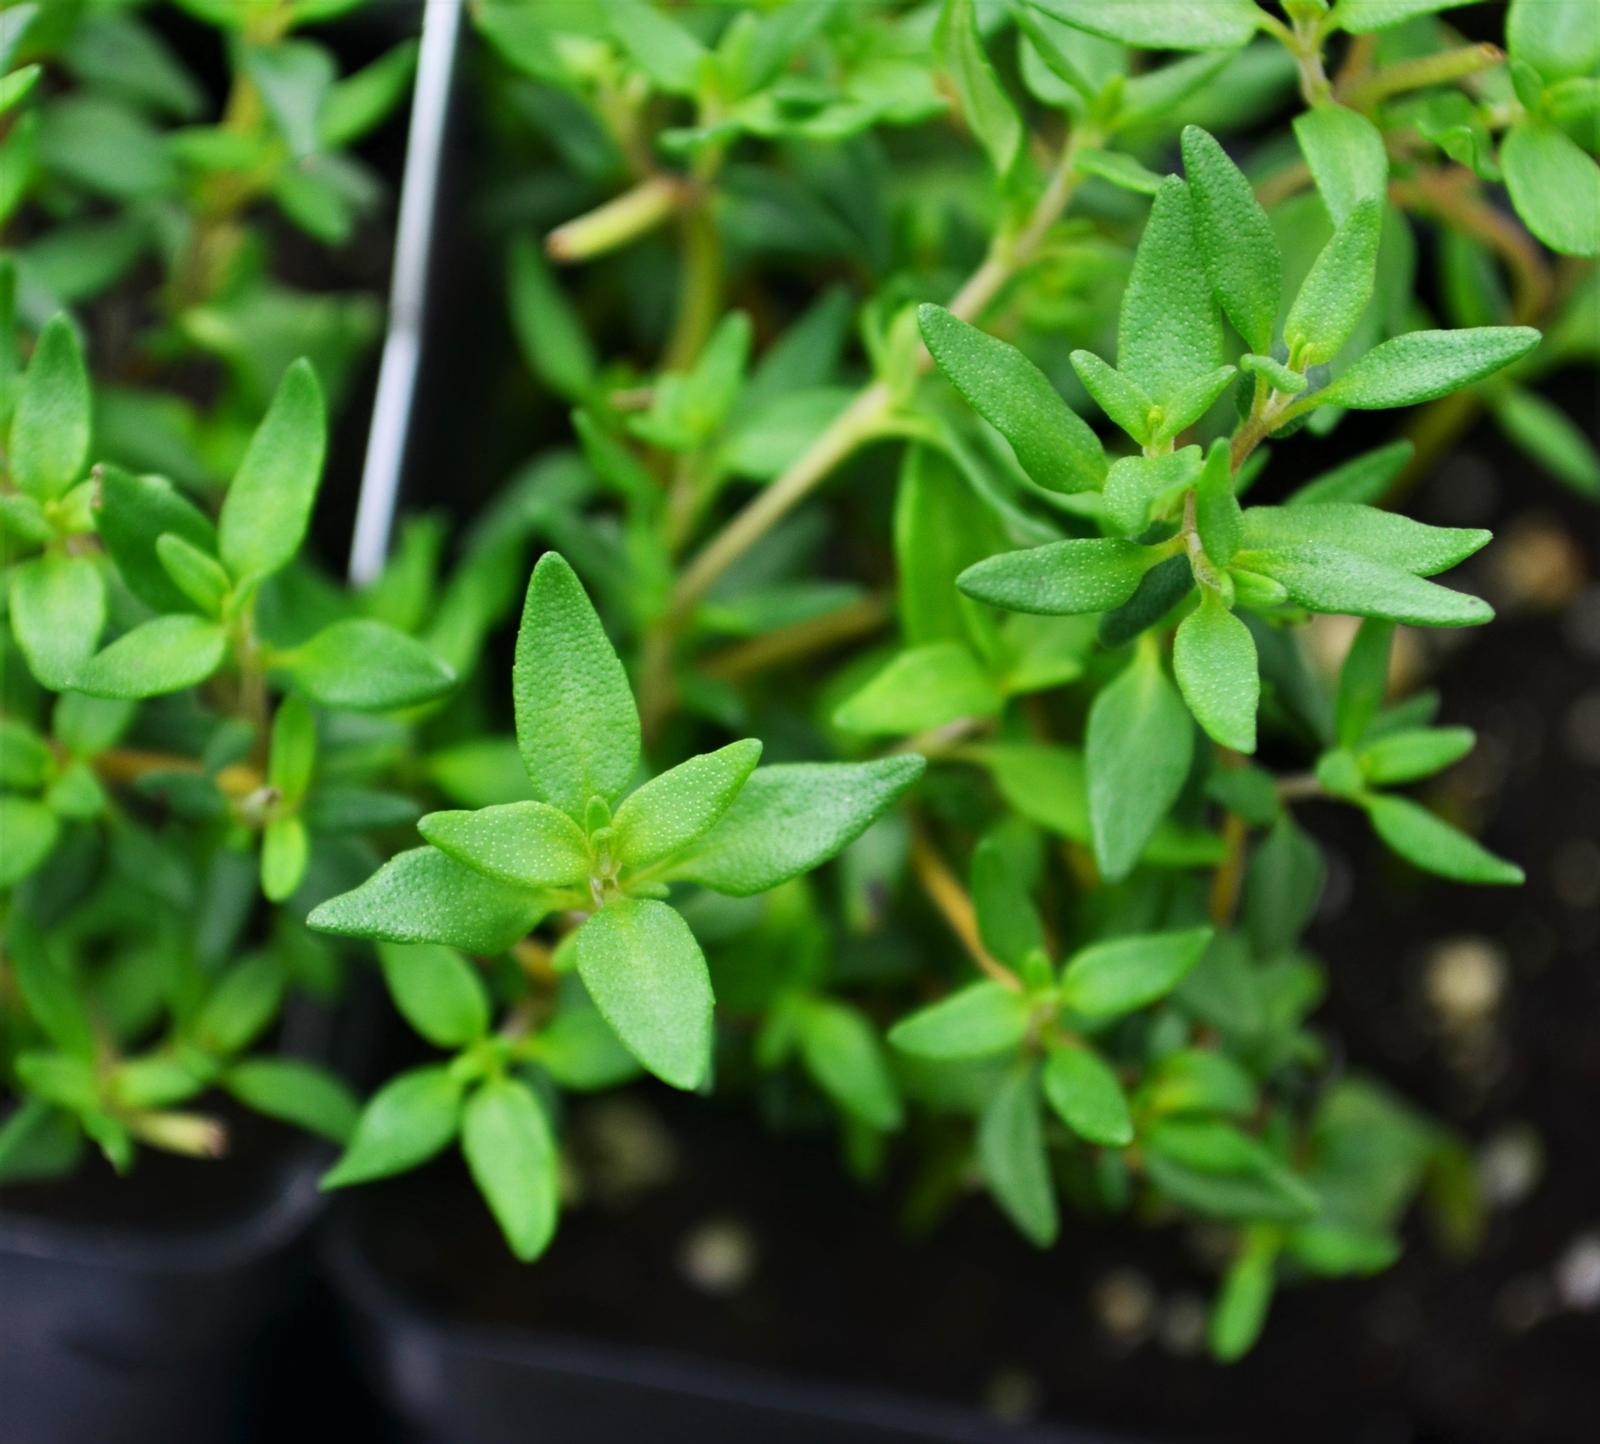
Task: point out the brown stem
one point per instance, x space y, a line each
533 957
1282 184
122 765
956 907
1451 196
1357 63
1265 415
793 643
942 740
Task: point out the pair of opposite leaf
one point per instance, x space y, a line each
1173 519
201 579
585 844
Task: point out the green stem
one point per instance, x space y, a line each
624 218
701 298
865 415
1441 69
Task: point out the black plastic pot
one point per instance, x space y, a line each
454 1383
125 1335
189 1323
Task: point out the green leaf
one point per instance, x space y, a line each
1012 1158
199 577
50 995
1008 922
841 1052
1384 536
1346 156
662 48
1161 24
577 725
1235 237
672 810
940 527
1136 483
1215 1169
293 754
422 896
134 513
522 36
1558 38
1218 518
527 844
295 1092
981 1020
1087 1097
1214 660
1547 434
1363 478
1554 186
360 665
1139 744
1324 578
241 1004
1433 845
1059 578
647 976
1053 443
1153 96
38 1141
1283 886
360 102
69 1083
285 853
1106 980
293 78
1120 170
161 656
268 505
1363 682
50 427
437 992
1362 17
409 1120
1337 288
552 336
1160 589
1198 1080
689 407
984 103
1119 396
86 726
1415 753
1278 374
791 818
506 1138
1192 402
58 606
920 688
578 1049
1241 1307
26 761
1169 332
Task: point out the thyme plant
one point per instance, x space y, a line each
1070 292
